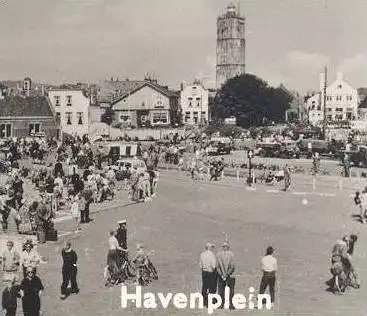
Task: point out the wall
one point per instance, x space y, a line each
194 91
80 104
339 96
20 126
145 98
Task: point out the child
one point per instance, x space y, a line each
358 202
140 261
9 297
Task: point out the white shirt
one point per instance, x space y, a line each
113 243
269 263
207 261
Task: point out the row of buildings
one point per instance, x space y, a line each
29 109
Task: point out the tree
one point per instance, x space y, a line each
251 100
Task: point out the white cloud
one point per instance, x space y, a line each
356 63
305 60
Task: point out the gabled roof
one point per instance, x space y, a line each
25 107
115 91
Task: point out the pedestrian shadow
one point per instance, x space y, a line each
357 218
329 283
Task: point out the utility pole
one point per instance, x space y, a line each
325 121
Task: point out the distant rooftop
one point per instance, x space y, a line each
17 106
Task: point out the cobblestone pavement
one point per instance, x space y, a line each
187 214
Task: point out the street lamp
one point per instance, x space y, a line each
250 155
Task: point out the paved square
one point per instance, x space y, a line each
186 215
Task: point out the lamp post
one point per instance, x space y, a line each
249 156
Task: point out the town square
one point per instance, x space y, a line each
183 157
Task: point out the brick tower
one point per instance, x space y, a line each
230 45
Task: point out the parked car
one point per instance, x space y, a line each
267 149
358 156
219 146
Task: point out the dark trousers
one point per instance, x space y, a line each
209 285
268 279
84 214
11 311
34 312
230 282
69 275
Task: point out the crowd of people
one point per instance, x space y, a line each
80 175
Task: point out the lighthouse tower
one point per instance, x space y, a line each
230 45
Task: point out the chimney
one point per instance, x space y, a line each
181 86
43 90
322 82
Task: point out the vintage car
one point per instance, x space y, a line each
268 149
289 149
357 156
310 146
219 146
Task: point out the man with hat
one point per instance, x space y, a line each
121 236
225 269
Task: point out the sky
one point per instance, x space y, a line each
287 41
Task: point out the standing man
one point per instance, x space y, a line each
269 267
69 271
346 165
226 269
287 177
121 236
208 264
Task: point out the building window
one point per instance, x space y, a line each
319 107
329 117
349 115
339 109
5 130
160 118
338 98
196 117
349 98
313 105
68 100
34 128
58 116
68 118
80 118
159 104
187 117
57 100
329 98
329 109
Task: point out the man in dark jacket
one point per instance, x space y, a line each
69 271
122 234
